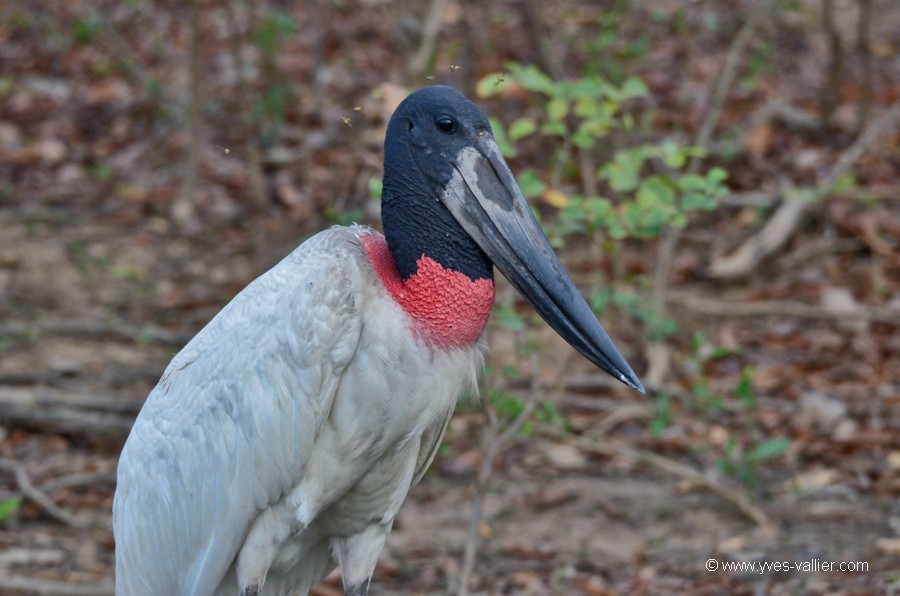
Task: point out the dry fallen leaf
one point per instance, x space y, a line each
889 545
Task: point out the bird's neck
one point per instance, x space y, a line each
434 271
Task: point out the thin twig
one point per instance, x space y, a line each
658 354
430 30
538 39
183 209
831 93
38 497
863 35
726 80
588 172
737 498
253 159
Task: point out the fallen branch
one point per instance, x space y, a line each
32 585
740 500
786 220
98 330
19 557
765 200
782 112
79 479
67 413
785 308
38 497
822 247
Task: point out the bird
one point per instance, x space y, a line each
281 441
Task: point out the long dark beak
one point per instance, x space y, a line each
484 198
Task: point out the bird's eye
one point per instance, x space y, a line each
446 125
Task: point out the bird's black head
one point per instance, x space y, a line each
449 195
434 123
424 136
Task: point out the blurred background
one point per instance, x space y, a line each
721 177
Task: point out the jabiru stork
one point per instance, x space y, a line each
282 440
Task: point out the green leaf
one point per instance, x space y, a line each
634 87
583 140
656 193
530 184
615 228
589 88
85 30
845 182
572 218
691 182
599 212
522 128
271 29
769 449
506 147
8 508
489 85
716 175
744 389
719 352
508 405
600 300
697 201
623 172
672 155
587 108
557 109
555 128
508 318
532 78
375 188
661 421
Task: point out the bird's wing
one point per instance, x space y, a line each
231 424
431 442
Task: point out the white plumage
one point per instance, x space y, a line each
284 437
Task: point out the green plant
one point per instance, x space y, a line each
8 508
270 31
650 184
660 421
743 452
86 30
741 462
760 63
507 403
339 217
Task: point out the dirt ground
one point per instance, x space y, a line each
105 272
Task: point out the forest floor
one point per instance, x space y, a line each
773 437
